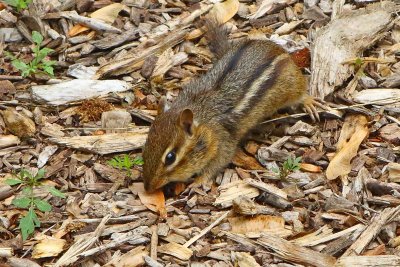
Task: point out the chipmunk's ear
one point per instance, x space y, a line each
163 105
186 121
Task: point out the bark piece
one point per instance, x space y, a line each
176 250
8 140
66 92
107 143
18 124
114 119
369 261
394 172
377 96
391 133
343 38
372 230
294 253
230 191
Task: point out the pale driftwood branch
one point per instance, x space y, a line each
338 42
372 231
81 245
107 143
76 90
206 230
294 253
92 23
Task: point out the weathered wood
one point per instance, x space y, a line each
370 232
76 90
343 38
369 261
294 253
107 143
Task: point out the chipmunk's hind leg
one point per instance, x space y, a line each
310 105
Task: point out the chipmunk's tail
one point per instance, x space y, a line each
217 36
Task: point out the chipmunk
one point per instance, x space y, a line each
197 135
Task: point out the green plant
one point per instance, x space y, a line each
125 163
29 201
18 4
289 165
38 63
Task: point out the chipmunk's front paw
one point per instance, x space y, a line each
309 106
199 181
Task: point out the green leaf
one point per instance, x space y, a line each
28 223
40 174
37 38
138 160
27 190
49 70
13 181
19 65
42 205
22 202
25 174
13 3
42 54
55 192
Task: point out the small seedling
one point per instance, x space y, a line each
289 165
38 63
28 200
125 163
18 4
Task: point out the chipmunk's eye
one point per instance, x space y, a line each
170 158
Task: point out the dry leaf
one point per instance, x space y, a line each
309 167
154 201
354 131
77 29
257 224
48 247
108 13
225 11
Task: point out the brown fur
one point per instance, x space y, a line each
250 82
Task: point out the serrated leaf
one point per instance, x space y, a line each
37 37
27 190
40 174
28 223
55 192
22 202
13 181
49 70
42 205
19 65
138 161
25 174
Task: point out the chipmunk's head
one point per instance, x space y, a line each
177 148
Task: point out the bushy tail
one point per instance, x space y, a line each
217 36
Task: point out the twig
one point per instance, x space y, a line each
92 23
205 230
154 242
81 245
298 115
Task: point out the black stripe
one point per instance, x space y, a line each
267 84
232 64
